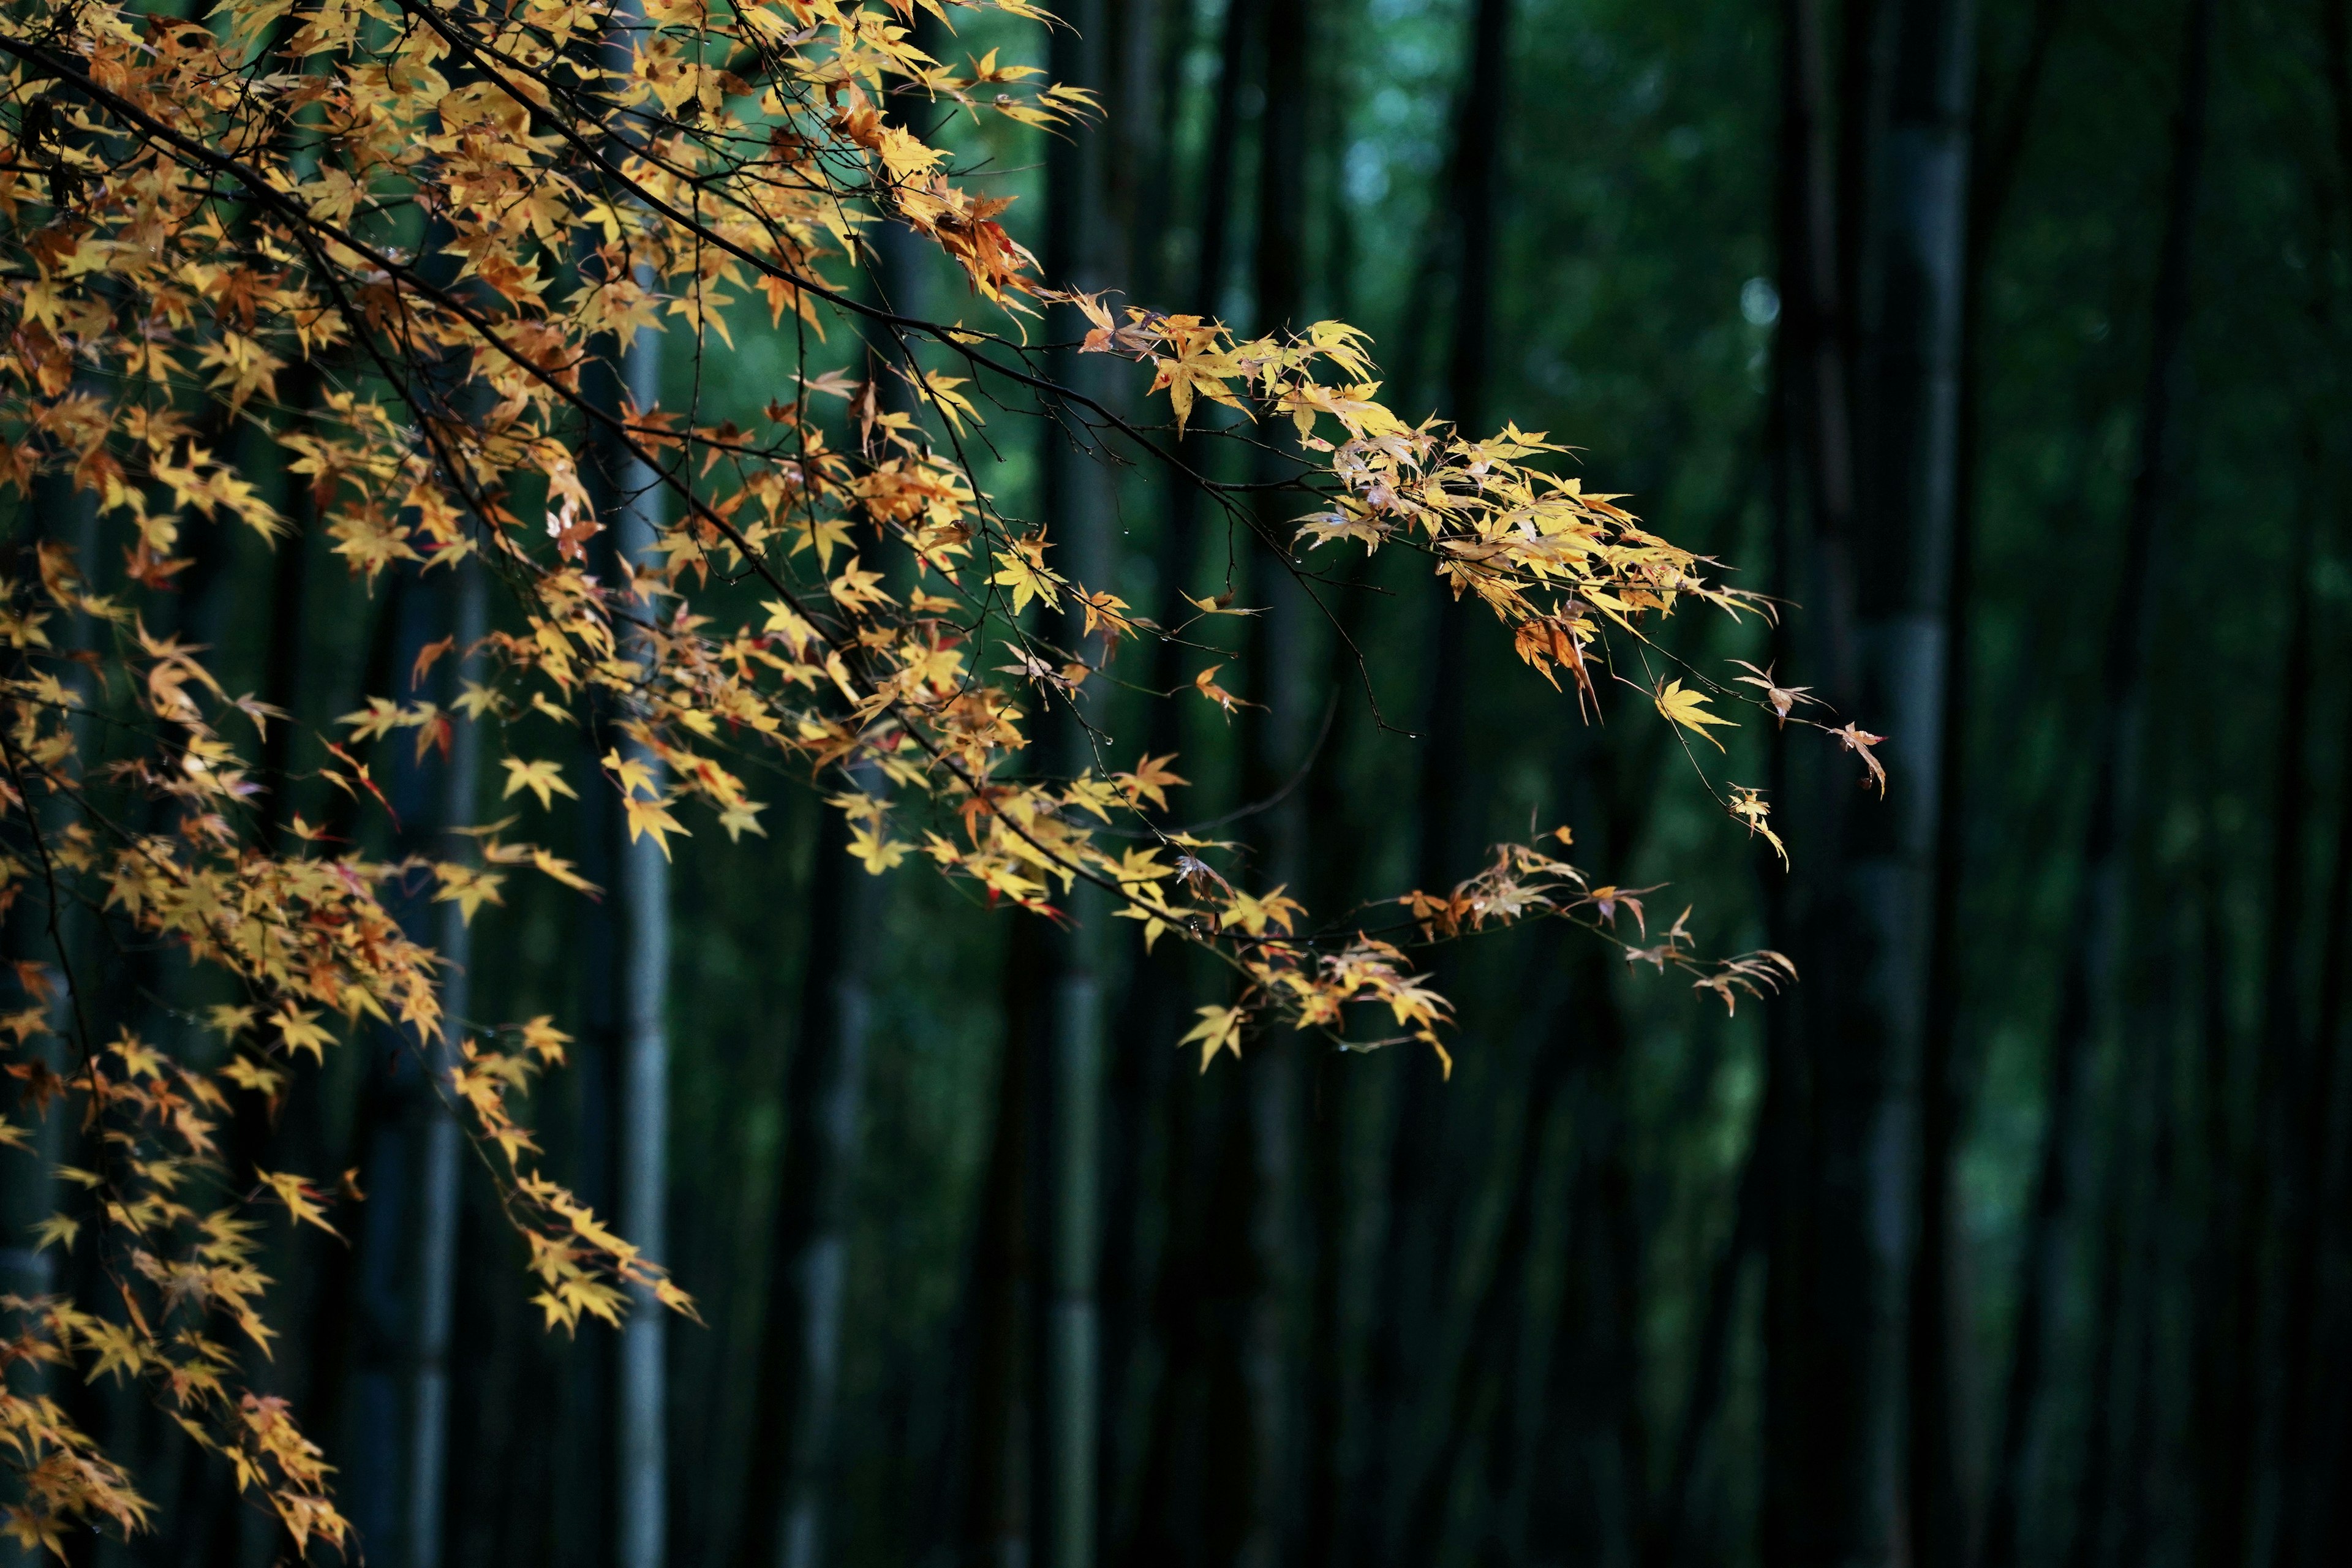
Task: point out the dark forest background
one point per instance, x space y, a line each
2007 344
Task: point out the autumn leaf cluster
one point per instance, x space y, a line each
403 242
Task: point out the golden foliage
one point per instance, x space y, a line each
395 238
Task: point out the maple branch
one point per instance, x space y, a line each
960 339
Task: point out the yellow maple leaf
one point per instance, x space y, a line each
228 1021
1220 606
875 853
467 889
1220 1029
301 1198
296 1028
1255 914
1023 569
562 870
632 773
676 1299
139 1059
905 157
652 817
1688 709
948 401
544 1040
741 818
248 1074
1090 792
1747 804
543 779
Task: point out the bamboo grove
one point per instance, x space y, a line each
411 244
